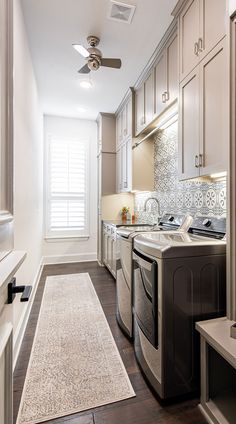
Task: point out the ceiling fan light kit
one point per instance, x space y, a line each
94 56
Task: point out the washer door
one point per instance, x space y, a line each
146 296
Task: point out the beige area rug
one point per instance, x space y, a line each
74 364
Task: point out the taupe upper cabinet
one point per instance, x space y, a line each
203 116
124 123
202 24
149 98
140 109
166 76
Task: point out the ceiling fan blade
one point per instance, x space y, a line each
81 49
84 70
111 63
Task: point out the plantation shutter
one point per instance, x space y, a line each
68 188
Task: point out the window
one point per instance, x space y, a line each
67 188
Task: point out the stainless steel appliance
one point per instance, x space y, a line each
179 278
124 243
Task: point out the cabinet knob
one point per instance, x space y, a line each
196 161
164 97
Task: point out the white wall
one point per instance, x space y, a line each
28 163
75 249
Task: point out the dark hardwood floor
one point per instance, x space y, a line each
144 408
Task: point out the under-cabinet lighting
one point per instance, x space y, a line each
219 176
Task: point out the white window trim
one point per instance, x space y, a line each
59 235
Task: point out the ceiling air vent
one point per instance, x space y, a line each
121 12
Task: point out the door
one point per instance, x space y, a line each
214 113
146 296
124 183
129 164
129 118
189 29
104 246
123 283
118 171
213 24
172 71
139 109
6 206
189 115
118 130
160 72
149 99
6 413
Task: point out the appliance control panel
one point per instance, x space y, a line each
206 224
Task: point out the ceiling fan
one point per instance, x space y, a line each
94 56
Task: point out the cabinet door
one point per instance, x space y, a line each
124 167
129 163
189 30
172 71
160 84
214 112
149 99
129 119
213 24
119 129
124 124
139 110
189 126
118 171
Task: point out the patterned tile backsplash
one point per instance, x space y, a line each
196 197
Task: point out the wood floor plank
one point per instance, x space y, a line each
144 408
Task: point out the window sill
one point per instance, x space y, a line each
51 239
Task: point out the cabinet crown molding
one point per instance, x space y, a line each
129 93
178 8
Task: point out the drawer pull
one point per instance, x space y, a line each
196 49
200 45
13 289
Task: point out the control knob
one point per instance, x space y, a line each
207 223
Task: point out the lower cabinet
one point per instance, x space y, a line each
109 248
204 116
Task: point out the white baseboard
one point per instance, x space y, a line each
20 330
70 258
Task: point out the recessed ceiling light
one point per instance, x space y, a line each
86 84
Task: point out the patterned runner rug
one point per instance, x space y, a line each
74 364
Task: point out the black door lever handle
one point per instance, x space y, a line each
13 289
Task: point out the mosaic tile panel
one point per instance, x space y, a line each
196 197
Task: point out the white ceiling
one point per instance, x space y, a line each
52 27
